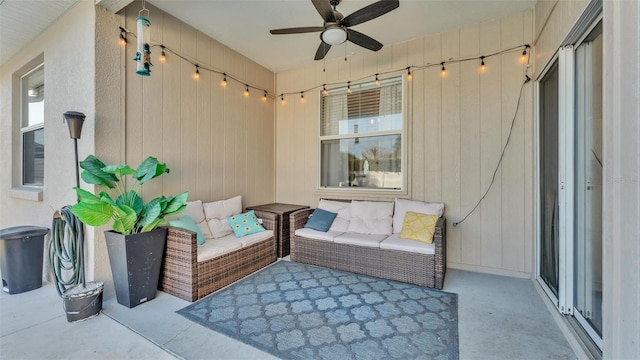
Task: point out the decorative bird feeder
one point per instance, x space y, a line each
143 55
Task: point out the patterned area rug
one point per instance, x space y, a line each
299 311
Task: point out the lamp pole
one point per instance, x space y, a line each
75 120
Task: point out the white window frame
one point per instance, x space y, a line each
26 128
403 190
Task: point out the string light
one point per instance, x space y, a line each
123 37
525 55
196 75
523 58
163 56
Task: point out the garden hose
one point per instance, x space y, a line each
66 260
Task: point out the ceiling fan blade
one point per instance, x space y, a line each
370 12
296 30
363 40
325 10
323 49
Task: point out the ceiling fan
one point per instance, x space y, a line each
336 30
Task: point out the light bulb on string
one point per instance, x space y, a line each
483 67
443 72
264 97
409 74
196 75
224 80
523 58
123 37
349 87
246 90
301 96
324 89
163 55
377 80
282 99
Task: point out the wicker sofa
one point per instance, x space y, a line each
387 260
191 272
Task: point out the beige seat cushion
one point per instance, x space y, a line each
364 240
318 235
217 247
394 242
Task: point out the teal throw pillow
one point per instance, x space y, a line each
245 224
320 220
186 222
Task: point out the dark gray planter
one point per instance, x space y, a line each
135 264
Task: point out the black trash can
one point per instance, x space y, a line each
21 252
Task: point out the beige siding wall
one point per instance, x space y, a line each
553 21
217 142
456 128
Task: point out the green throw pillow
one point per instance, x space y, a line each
245 224
187 223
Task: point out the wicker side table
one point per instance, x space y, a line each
282 228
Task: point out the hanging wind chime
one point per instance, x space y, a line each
143 55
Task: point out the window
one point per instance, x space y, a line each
361 136
32 126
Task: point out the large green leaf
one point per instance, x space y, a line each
93 173
149 169
124 220
132 200
87 197
120 170
151 226
92 214
151 211
174 204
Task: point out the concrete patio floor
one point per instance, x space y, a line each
499 318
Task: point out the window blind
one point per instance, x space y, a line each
365 101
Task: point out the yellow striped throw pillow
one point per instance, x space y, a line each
419 227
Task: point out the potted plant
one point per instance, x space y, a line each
136 242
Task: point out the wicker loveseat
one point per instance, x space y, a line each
381 256
191 272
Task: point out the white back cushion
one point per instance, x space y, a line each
196 211
371 217
342 208
421 207
217 212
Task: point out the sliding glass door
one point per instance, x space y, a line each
570 181
588 184
548 155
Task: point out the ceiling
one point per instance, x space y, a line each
244 25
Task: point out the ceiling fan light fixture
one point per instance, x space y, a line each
334 36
